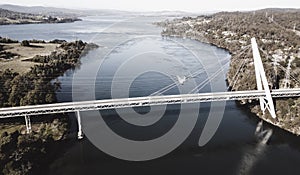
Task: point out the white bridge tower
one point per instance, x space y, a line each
262 82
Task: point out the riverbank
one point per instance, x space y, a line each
280 45
41 62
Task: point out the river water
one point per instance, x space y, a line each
131 43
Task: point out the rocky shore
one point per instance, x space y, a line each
22 153
277 34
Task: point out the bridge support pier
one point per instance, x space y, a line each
28 124
80 133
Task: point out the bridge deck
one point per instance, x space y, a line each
142 101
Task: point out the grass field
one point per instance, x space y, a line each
18 63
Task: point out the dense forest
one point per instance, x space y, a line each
278 36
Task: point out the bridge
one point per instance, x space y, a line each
142 102
263 94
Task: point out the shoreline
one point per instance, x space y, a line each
28 23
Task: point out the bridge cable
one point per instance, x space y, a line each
166 88
237 73
209 79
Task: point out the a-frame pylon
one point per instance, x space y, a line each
262 82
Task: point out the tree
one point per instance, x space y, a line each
25 43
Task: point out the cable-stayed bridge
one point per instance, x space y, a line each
263 94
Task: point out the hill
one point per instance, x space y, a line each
12 17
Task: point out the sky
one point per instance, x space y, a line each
158 5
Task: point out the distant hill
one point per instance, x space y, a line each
290 10
12 17
42 10
10 14
62 12
168 13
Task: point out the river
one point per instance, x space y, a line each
232 150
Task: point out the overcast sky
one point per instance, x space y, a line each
155 5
